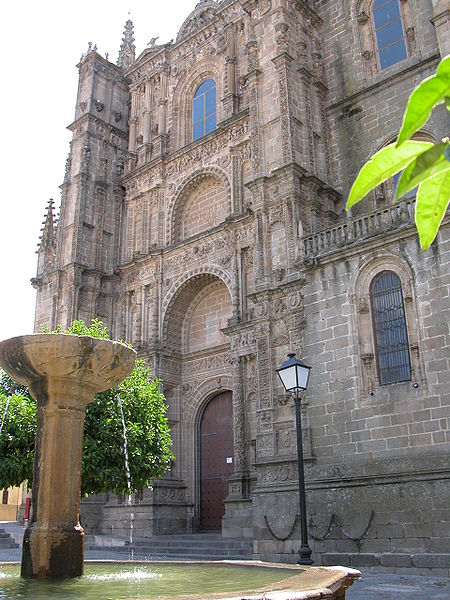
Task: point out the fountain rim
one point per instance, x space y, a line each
61 335
32 348
333 579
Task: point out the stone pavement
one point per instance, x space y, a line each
387 586
373 585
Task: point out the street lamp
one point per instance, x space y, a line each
294 375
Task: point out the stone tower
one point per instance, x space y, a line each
202 219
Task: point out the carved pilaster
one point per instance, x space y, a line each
282 63
239 420
306 79
236 189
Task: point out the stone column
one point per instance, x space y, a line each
63 373
133 122
147 112
240 464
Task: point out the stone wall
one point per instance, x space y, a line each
217 257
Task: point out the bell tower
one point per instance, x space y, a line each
78 280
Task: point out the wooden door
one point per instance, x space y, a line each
216 459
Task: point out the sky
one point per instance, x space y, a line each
44 42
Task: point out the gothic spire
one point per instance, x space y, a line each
127 52
48 231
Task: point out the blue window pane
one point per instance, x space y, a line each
210 101
391 337
210 124
383 12
390 33
198 131
393 54
204 109
206 85
198 112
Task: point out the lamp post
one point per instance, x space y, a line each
294 375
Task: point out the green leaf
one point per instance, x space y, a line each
443 68
432 91
426 165
432 201
385 163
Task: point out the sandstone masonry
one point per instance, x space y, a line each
216 256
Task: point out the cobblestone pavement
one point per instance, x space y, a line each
386 586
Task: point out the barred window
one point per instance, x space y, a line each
204 110
389 324
389 32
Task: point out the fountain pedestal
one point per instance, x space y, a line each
63 373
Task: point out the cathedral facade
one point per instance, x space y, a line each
202 219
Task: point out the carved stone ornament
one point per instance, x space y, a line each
117 116
363 17
203 14
83 105
363 307
99 105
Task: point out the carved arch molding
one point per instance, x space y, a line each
215 175
179 299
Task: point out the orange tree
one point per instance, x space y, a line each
103 469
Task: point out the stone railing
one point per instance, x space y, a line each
384 220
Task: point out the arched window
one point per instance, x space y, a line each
204 110
389 326
389 32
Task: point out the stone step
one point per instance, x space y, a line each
200 546
156 543
204 551
6 541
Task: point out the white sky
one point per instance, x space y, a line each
44 41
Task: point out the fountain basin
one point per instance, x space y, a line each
193 580
63 373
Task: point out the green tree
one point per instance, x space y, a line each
103 469
424 165
17 436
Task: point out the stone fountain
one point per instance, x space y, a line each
63 373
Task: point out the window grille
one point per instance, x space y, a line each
389 324
204 111
389 32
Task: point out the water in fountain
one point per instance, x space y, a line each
127 472
142 580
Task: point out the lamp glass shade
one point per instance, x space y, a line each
294 374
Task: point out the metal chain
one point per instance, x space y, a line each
335 521
281 539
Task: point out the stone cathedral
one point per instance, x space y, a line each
202 219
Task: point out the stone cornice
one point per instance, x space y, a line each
384 79
89 117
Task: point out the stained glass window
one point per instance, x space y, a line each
389 324
204 112
389 32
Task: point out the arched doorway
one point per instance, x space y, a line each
216 459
